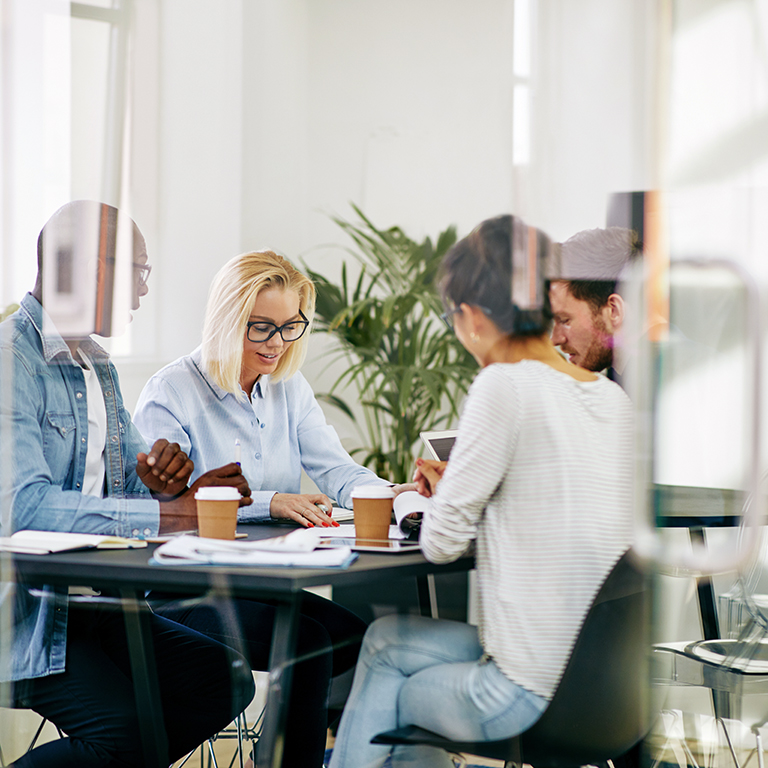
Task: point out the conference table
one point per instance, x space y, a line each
129 574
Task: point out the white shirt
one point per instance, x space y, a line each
540 476
93 481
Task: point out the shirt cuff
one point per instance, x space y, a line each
141 519
258 510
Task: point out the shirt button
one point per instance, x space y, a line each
257 456
82 440
262 426
135 532
117 483
79 395
114 438
147 531
108 393
78 485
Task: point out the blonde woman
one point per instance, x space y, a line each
243 384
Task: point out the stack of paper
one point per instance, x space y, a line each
294 549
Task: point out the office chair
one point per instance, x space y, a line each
598 711
33 742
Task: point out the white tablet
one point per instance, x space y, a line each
439 444
387 546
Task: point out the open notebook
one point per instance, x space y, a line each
48 542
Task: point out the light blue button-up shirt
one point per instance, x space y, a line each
44 433
281 429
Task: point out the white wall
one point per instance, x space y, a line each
273 115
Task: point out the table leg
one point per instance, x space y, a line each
427 595
281 658
722 702
144 672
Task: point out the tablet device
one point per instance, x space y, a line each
439 444
370 545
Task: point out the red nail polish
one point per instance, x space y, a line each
326 525
335 524
310 525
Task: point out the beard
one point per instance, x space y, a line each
599 354
597 358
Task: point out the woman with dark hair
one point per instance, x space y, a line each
539 479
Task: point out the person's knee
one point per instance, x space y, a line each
390 630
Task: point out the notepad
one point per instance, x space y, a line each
48 542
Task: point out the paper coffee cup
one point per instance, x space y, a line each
372 509
217 511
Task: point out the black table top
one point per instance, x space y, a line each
120 568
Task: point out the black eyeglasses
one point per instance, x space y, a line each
260 330
141 272
447 316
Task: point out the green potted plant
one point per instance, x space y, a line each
407 370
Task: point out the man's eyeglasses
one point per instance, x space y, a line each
261 330
141 273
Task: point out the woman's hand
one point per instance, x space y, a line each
403 487
427 475
302 508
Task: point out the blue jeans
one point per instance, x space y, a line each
431 673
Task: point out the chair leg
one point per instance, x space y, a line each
759 745
37 735
730 745
212 755
240 722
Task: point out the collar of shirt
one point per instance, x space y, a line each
53 344
258 388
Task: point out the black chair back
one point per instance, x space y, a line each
600 707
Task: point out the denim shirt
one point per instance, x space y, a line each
44 440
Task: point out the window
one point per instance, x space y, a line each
64 116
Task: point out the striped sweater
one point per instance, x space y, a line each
540 477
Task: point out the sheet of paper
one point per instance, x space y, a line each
408 503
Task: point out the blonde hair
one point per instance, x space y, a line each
230 301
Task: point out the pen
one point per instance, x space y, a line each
237 452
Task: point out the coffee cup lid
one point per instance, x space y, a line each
217 493
373 492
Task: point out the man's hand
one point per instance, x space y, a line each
165 469
427 475
302 508
181 513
